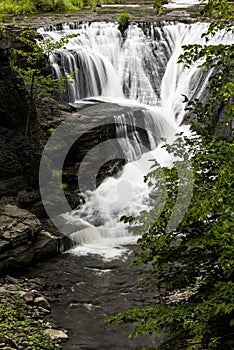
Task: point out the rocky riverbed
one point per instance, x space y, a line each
23 307
85 290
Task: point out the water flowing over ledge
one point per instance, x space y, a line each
105 64
138 69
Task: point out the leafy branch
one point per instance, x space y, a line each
31 65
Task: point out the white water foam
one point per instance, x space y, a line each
134 65
104 234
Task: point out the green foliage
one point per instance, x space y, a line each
30 65
73 5
48 5
28 7
112 2
17 327
192 265
158 6
124 18
220 59
51 131
196 259
11 6
221 11
94 3
34 6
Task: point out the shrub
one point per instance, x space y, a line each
158 6
124 18
123 21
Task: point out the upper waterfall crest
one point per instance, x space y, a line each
142 66
139 69
105 64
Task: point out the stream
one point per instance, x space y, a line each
94 279
87 289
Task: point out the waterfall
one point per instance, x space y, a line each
142 66
103 64
122 134
130 139
89 59
140 69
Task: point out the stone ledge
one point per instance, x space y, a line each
23 240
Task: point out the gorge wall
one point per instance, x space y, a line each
20 155
23 238
21 233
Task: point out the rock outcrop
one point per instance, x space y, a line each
19 157
23 240
13 94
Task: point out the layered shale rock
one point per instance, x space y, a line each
23 240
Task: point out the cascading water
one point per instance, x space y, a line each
142 67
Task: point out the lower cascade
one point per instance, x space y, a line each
139 69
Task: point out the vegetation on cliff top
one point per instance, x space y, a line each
27 7
33 6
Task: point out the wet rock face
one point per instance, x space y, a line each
13 95
19 157
19 163
22 239
91 135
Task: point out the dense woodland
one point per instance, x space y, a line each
195 258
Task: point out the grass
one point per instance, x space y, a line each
35 6
27 7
